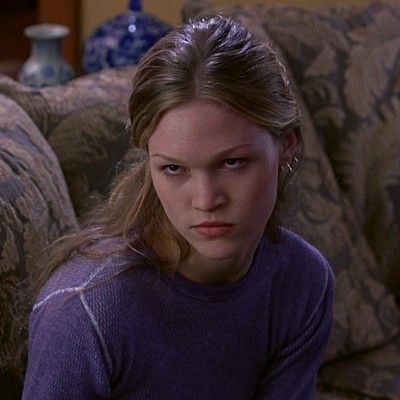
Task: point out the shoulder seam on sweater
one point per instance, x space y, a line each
72 288
97 329
323 294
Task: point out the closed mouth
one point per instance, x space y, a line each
214 230
212 225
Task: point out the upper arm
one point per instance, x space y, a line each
66 355
291 373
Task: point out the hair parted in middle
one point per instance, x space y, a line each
214 59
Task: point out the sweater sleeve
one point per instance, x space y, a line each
67 356
292 373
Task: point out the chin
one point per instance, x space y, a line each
217 249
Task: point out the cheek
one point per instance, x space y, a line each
260 195
161 189
168 197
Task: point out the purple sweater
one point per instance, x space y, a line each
102 330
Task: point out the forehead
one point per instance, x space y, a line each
204 126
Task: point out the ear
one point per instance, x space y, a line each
291 146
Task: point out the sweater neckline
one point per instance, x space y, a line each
210 293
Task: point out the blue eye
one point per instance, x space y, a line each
172 169
234 163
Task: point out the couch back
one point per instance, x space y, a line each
35 209
59 149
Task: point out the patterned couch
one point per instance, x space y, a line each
61 146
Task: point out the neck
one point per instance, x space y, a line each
204 270
213 272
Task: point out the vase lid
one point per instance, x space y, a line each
46 31
135 5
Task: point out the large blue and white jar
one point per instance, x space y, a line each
123 39
46 65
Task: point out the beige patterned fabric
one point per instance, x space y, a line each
331 394
346 61
347 64
84 121
50 105
323 212
35 209
376 372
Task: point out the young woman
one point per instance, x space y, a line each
184 286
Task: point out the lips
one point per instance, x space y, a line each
212 224
213 229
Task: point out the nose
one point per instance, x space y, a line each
207 193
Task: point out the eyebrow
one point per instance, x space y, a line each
217 155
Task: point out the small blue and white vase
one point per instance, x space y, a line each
123 39
46 65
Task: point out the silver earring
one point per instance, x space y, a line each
294 164
290 168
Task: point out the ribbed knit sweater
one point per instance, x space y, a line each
118 329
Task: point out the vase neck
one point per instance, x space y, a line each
46 48
135 5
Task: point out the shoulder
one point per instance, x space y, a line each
301 260
65 326
87 277
86 298
303 285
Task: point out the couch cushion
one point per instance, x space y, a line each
375 372
346 61
365 311
35 209
331 394
84 122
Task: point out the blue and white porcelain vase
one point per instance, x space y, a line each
123 39
46 65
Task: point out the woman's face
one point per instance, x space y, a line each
216 175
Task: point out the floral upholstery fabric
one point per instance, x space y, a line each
35 209
84 122
366 315
376 372
347 64
332 394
